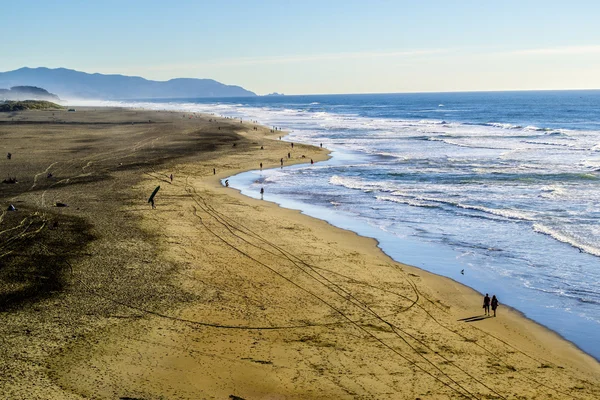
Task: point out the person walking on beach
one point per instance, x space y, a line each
261 166
494 304
262 192
486 304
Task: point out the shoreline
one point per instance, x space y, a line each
279 201
255 300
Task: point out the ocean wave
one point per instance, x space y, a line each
537 142
502 125
553 192
427 201
359 184
431 122
593 165
501 212
457 143
408 201
536 129
565 238
554 133
507 213
588 297
527 128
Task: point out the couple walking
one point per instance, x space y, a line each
487 302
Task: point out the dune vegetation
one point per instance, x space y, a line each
9 106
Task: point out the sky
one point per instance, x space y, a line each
315 47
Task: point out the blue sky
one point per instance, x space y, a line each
315 46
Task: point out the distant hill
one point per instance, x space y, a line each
27 93
8 106
71 84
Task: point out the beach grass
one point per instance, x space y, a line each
10 105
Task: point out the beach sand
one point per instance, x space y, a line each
217 295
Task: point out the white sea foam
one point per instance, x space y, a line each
506 213
566 238
353 183
511 214
503 125
408 201
553 192
426 201
535 128
545 143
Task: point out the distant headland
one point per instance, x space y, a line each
71 84
27 93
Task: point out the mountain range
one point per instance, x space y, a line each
70 84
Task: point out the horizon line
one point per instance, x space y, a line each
431 92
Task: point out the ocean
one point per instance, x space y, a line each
502 185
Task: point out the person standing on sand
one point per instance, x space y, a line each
262 192
261 166
494 304
486 304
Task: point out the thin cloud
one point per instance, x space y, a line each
566 50
299 58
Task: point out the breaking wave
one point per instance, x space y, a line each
565 238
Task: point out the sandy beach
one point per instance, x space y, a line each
214 295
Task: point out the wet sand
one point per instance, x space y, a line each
213 294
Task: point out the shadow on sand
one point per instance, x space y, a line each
475 318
